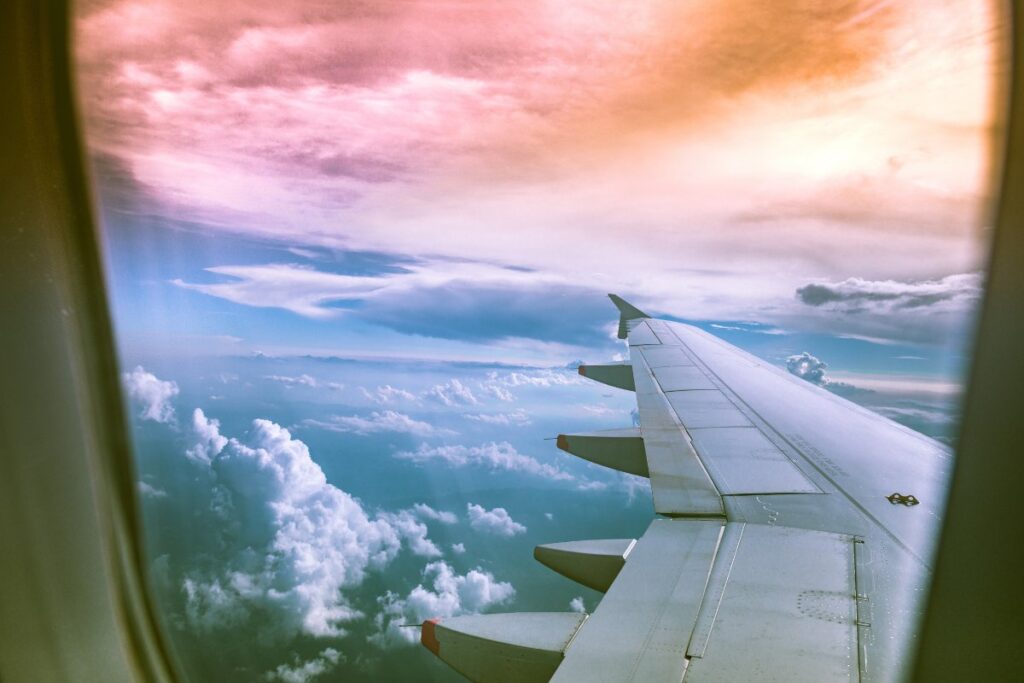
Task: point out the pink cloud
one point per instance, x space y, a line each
545 134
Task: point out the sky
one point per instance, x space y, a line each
368 240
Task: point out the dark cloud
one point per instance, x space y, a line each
855 294
467 311
937 311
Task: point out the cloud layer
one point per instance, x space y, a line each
839 140
923 311
494 456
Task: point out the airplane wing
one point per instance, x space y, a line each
793 541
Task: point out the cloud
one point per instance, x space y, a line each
517 417
496 456
149 491
755 328
811 369
496 521
807 367
458 548
529 306
412 531
463 300
387 394
291 543
303 672
497 391
304 380
427 512
534 378
597 409
513 131
208 442
576 604
376 422
452 594
925 311
854 295
452 393
152 393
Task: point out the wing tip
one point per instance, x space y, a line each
428 637
626 310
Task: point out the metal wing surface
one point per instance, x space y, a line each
793 542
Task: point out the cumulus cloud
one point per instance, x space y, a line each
496 521
412 531
303 672
292 542
208 440
577 605
516 417
452 393
497 391
807 367
427 512
376 422
458 548
450 594
152 394
387 394
496 456
811 369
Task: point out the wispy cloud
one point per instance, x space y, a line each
494 456
376 422
304 381
518 418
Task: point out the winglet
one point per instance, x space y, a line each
627 312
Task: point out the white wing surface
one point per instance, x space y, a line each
793 542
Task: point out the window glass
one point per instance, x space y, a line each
356 252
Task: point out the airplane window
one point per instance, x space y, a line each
357 254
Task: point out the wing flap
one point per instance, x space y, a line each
680 484
786 611
640 630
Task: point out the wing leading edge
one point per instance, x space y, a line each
779 552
